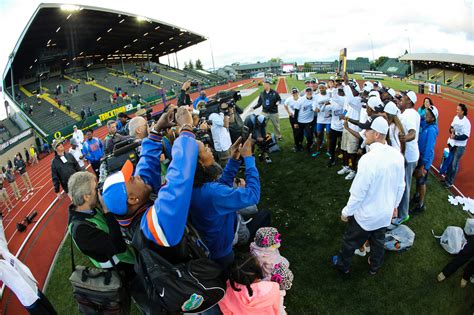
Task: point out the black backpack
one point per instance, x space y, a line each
191 287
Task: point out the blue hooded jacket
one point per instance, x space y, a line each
426 144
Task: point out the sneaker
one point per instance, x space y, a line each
372 272
351 175
328 154
335 263
358 252
418 209
463 283
367 249
344 170
268 160
414 201
399 221
315 154
441 277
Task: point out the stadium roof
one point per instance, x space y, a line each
437 57
258 65
72 32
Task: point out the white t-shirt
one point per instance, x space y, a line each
393 134
324 117
305 107
353 107
411 120
220 134
77 154
290 102
461 127
336 107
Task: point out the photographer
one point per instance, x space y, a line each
215 201
220 133
184 98
113 137
270 99
256 127
138 128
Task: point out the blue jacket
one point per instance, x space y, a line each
214 206
426 144
422 112
198 99
165 221
93 150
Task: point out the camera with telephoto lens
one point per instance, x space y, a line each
194 83
124 150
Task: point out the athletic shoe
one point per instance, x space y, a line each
350 176
414 201
315 154
372 272
328 154
418 209
359 253
335 263
463 283
344 170
268 160
441 277
399 221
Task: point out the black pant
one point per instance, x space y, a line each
41 306
96 167
466 254
308 129
334 135
354 237
298 144
262 218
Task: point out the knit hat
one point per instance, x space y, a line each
282 275
267 237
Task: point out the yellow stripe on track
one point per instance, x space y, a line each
71 114
25 91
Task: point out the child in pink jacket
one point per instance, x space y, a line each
246 293
265 249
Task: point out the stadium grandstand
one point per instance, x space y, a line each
72 63
449 70
393 67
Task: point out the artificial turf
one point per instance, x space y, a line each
306 199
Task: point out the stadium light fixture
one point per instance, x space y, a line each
49 41
152 47
121 21
135 40
142 19
70 7
99 38
58 29
80 54
31 67
171 38
189 42
162 43
117 51
36 60
109 30
157 27
145 34
180 46
70 14
181 34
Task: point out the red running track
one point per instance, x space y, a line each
39 249
281 86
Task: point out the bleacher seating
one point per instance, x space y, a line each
393 67
140 81
448 77
357 65
8 129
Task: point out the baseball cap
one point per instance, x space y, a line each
314 81
391 108
391 92
411 95
261 118
375 104
115 191
374 93
380 125
74 126
433 111
322 83
294 90
308 89
307 81
378 83
56 142
368 86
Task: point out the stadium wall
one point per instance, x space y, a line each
17 146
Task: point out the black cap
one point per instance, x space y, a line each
122 115
294 90
313 81
309 89
307 81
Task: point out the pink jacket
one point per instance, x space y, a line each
267 257
264 300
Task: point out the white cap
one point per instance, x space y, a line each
374 93
392 92
375 103
379 84
380 125
368 86
434 110
261 118
391 108
412 96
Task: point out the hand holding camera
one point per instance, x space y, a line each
235 149
246 149
184 119
166 120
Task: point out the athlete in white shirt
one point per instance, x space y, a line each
375 193
77 153
411 123
323 120
336 108
290 104
305 115
460 132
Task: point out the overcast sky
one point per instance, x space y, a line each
249 31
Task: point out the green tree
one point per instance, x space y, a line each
276 59
380 61
199 64
307 67
190 64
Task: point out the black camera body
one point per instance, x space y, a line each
194 83
215 104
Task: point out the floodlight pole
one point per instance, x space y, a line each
11 76
169 64
176 57
212 56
